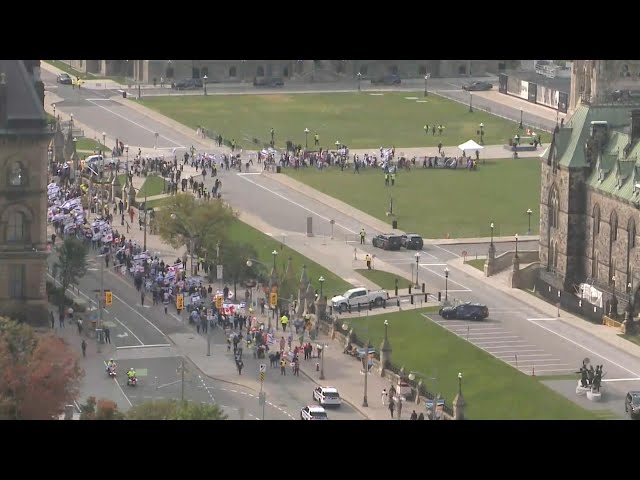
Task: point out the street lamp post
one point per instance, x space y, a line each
446 284
275 254
516 245
426 85
54 110
104 140
324 345
481 133
337 144
204 84
613 279
100 305
470 102
436 396
321 280
529 212
345 327
272 135
126 149
359 80
520 126
492 227
306 138
417 269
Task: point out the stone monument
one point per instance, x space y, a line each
385 351
302 289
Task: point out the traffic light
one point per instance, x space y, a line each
180 301
273 299
219 302
108 297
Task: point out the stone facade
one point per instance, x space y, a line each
305 70
594 81
590 198
24 139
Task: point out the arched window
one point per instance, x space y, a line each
260 71
631 232
232 72
16 227
17 175
596 220
554 207
422 70
614 226
555 256
551 256
594 266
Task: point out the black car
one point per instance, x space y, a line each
188 84
268 82
477 86
412 241
632 404
465 311
386 80
387 242
65 79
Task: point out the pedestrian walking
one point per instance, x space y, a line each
79 326
414 416
142 295
399 407
363 235
240 365
421 416
61 320
391 407
384 396
107 335
83 345
52 319
283 367
296 369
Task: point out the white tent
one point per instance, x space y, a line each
470 145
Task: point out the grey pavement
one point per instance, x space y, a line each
557 346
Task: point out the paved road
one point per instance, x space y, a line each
139 340
518 328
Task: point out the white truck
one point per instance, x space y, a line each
357 296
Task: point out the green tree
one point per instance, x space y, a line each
39 374
195 223
71 265
175 410
233 257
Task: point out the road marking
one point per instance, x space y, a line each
121 390
432 264
98 99
620 379
176 317
134 335
135 123
528 355
448 251
297 204
542 370
471 333
144 346
249 173
498 341
139 314
587 349
542 319
513 351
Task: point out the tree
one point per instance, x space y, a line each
234 257
71 265
39 375
199 225
100 410
175 410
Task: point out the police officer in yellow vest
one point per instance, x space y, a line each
393 179
368 260
386 179
362 236
284 320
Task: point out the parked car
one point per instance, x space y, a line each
477 86
632 404
465 311
188 84
357 296
386 80
65 79
412 241
326 396
268 82
387 241
312 412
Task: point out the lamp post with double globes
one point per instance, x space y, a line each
321 280
481 133
446 284
275 254
529 212
306 138
359 80
417 255
204 84
492 227
516 245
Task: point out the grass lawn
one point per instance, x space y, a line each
66 68
157 203
492 389
437 202
384 280
479 264
90 145
242 233
153 185
632 338
359 120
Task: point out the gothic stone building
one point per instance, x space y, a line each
590 204
24 138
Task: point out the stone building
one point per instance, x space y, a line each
24 139
590 194
601 81
146 71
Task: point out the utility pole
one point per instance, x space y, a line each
145 221
262 396
182 380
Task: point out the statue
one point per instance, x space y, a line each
597 379
591 375
583 375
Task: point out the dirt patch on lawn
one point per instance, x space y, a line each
276 98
